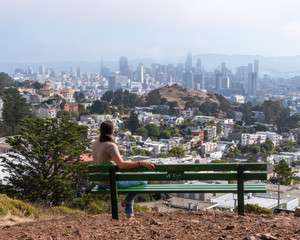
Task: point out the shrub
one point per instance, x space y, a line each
252 208
62 210
15 207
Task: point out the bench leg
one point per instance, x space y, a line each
113 193
240 183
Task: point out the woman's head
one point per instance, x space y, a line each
106 131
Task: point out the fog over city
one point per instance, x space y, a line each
71 30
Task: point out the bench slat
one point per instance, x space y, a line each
188 188
177 176
185 167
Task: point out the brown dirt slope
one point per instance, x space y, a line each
183 95
155 225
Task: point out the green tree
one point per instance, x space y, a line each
260 128
99 107
82 110
267 145
165 134
252 160
142 131
6 81
176 152
44 164
255 149
153 98
108 96
153 130
79 97
15 108
133 123
284 173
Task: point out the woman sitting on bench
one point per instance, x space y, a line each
105 151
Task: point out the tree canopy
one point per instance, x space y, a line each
284 173
45 162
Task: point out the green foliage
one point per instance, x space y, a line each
99 107
63 113
267 145
142 131
176 152
163 101
255 149
45 162
139 151
251 208
252 160
225 106
79 97
62 210
260 128
82 110
6 81
153 130
209 108
172 106
133 123
220 161
15 207
14 110
165 134
284 172
153 98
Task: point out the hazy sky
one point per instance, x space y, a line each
85 30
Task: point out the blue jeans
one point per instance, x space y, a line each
129 197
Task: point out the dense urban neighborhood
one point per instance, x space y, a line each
168 114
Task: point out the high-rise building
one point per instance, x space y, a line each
30 70
256 68
198 81
218 77
42 70
198 68
189 63
188 79
123 66
78 72
140 73
252 82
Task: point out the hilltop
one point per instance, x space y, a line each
183 95
156 225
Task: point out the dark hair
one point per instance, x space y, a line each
106 130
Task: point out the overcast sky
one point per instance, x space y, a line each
85 30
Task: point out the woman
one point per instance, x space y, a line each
105 151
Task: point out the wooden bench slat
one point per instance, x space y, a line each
188 188
178 176
185 167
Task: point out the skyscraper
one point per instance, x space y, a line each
189 63
123 66
252 80
188 79
256 68
42 70
140 73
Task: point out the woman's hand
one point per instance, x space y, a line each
148 165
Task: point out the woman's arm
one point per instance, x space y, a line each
129 165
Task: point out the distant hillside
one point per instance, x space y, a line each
183 95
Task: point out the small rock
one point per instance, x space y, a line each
195 221
268 236
229 227
250 237
297 212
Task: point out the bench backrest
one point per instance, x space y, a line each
176 172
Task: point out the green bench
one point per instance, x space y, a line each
178 172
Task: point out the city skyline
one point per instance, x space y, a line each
35 31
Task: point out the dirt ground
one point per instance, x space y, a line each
156 225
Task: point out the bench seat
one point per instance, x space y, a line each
190 188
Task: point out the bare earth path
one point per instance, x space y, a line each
154 225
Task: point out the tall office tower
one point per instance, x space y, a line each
256 68
179 72
112 82
78 72
123 66
252 82
224 69
140 73
218 78
225 83
198 81
42 70
188 79
101 67
72 71
198 69
250 68
30 70
189 64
